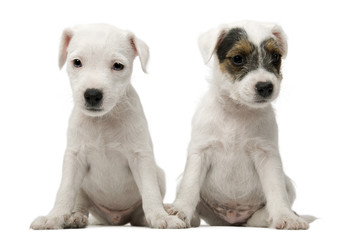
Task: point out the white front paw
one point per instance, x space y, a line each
74 220
164 221
46 222
289 221
77 220
179 211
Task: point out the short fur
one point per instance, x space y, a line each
109 168
234 174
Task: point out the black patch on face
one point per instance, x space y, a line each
233 36
236 46
251 63
238 56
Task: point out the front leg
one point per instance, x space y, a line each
188 194
273 180
73 172
144 171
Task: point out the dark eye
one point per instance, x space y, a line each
238 60
118 66
276 58
77 63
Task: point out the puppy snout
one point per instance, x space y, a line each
93 97
264 89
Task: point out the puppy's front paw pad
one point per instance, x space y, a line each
42 223
290 222
77 220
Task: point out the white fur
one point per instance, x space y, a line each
233 155
109 156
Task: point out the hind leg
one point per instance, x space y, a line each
195 221
261 217
138 218
209 216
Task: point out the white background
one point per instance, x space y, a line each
36 102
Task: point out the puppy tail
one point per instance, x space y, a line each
308 218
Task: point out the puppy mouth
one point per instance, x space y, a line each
262 101
257 103
93 109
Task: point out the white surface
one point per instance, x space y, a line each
36 101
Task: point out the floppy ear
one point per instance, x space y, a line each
65 39
281 38
141 49
209 42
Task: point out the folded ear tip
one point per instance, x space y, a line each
65 40
141 49
281 36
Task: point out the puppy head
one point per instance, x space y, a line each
99 61
247 60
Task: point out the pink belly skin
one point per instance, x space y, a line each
231 212
115 216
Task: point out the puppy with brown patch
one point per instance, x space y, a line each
234 174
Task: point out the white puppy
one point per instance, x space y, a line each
234 174
109 168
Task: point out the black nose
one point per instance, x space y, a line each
264 89
93 97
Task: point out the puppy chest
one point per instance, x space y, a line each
104 150
108 163
109 180
232 174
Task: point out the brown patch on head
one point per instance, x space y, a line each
272 46
229 41
249 55
242 47
271 56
